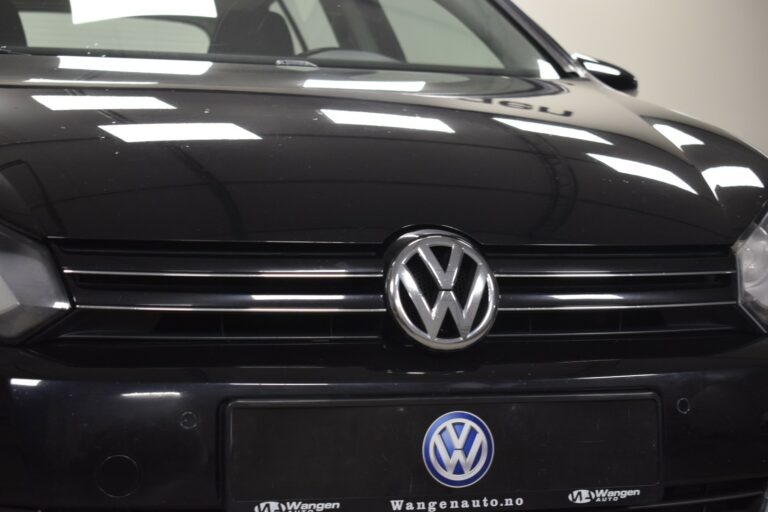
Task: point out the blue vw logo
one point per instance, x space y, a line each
458 449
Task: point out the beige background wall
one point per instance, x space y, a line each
706 58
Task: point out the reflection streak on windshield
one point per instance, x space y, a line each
366 85
85 82
149 66
424 35
89 11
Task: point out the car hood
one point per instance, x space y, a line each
252 152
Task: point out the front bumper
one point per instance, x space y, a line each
60 422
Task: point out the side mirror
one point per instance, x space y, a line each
611 75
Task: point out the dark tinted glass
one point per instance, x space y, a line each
373 33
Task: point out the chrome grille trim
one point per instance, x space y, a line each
598 275
588 333
622 307
267 274
323 274
192 309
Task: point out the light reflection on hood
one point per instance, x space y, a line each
641 170
178 132
349 117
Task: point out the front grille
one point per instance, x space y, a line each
312 292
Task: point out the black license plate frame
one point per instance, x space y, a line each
283 480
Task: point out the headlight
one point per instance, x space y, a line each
752 258
31 292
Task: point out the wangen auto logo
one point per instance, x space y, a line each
585 496
581 497
270 506
296 506
458 449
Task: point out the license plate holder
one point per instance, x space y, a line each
549 452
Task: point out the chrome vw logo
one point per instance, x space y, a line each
441 291
458 449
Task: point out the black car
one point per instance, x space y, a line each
363 255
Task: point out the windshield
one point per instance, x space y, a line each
411 34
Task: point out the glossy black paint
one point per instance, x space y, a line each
66 409
94 412
310 179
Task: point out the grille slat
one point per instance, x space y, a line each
216 293
301 291
235 260
269 304
619 299
597 262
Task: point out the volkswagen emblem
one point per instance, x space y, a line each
458 449
441 291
